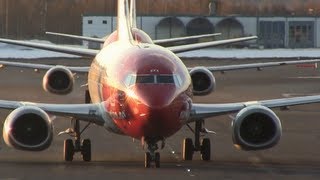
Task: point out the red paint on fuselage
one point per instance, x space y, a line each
152 110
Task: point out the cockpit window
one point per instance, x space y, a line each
145 79
132 79
165 79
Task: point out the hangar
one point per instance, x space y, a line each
273 32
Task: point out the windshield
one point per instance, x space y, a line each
152 79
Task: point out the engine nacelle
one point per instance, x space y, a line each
256 127
28 128
203 81
58 80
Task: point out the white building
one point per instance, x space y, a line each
273 32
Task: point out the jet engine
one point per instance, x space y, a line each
28 128
256 127
58 80
203 81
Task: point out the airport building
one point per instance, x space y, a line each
273 32
278 23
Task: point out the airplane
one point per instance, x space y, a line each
122 82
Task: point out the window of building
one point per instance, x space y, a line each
90 21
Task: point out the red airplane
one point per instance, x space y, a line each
144 91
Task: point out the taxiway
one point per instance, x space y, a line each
297 156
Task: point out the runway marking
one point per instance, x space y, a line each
288 95
305 77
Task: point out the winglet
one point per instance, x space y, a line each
124 31
133 14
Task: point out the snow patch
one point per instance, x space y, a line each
253 53
19 52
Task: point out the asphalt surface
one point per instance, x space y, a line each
297 156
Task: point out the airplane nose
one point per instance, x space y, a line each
155 110
155 96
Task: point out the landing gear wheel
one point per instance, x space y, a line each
147 160
157 160
205 149
187 149
74 146
86 150
68 150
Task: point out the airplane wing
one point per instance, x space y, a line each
171 40
85 112
73 69
93 53
202 111
52 47
257 65
213 69
85 38
94 113
159 42
196 46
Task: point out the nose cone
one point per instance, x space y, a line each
155 96
159 110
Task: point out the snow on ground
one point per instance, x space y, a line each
253 53
18 52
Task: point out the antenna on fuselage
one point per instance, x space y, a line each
123 26
133 14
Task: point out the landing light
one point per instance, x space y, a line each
237 146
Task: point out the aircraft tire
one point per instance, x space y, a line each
157 160
68 150
187 149
205 149
147 160
86 150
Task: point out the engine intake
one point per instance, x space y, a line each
256 127
203 81
58 80
28 128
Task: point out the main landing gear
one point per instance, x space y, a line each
70 147
188 148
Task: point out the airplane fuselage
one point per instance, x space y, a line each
145 88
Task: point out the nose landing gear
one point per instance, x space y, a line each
152 156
